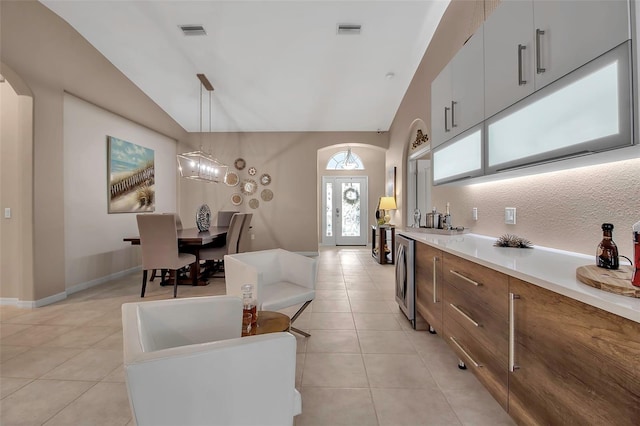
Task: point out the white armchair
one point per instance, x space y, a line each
186 364
280 279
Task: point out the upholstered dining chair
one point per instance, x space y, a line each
178 228
186 364
224 217
244 240
280 279
215 255
159 244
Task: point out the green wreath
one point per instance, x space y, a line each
351 196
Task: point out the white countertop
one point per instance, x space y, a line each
549 268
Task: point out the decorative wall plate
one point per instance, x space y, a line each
236 199
252 171
254 203
266 195
265 179
203 218
231 179
240 163
248 186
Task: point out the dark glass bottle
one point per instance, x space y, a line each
607 254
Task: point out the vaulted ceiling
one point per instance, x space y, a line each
275 65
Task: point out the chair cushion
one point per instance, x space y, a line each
282 294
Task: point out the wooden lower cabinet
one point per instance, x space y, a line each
575 364
429 284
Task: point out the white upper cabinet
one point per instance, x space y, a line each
457 94
529 44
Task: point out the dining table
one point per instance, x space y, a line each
191 240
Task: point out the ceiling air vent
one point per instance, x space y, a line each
193 30
349 29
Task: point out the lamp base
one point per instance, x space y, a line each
387 218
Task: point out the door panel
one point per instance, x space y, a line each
344 211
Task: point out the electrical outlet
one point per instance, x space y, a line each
510 215
474 213
253 236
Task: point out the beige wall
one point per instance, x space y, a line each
93 238
15 190
290 220
563 209
51 58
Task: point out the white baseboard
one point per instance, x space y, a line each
29 304
309 253
83 286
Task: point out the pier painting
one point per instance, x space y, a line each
131 176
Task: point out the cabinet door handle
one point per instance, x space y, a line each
521 82
512 332
467 317
435 275
446 123
455 342
539 33
453 111
477 284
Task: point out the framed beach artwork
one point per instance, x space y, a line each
130 174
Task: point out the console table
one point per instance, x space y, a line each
383 241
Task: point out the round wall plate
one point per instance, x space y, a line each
240 163
236 199
248 186
265 179
254 203
231 179
252 171
266 195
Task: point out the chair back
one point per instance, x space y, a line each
178 221
233 235
245 240
158 240
224 217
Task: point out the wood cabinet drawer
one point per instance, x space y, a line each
489 328
490 370
576 364
429 284
484 285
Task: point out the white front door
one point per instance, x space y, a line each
344 211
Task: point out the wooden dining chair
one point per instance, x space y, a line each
214 255
159 244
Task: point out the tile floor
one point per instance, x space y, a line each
363 365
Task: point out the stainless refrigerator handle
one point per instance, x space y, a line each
539 33
512 332
435 274
521 82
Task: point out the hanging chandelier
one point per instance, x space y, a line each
199 165
349 163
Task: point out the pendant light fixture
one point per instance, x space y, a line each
199 165
350 163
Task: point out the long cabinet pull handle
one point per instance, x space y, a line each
435 275
539 69
453 112
512 332
467 317
446 123
455 342
521 82
477 284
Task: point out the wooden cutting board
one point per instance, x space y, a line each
614 281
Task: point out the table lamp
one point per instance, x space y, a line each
386 204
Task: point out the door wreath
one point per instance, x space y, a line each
351 196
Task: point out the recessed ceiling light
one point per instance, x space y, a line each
348 29
193 30
389 75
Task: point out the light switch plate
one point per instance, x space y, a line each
510 215
7 213
474 213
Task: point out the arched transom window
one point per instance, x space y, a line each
345 160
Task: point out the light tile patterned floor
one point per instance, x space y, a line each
363 365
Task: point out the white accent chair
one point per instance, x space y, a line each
280 279
186 364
